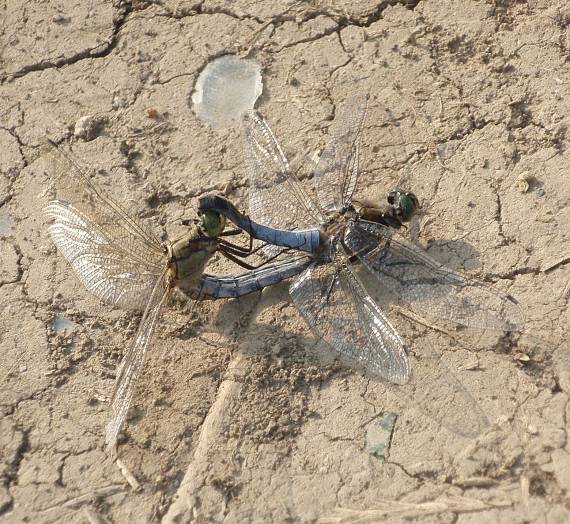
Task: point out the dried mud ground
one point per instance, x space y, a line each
240 416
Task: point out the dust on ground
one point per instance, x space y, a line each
240 416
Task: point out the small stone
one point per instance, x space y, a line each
88 127
523 182
61 324
119 102
60 19
152 113
522 357
228 188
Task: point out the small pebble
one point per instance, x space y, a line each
59 19
523 182
152 113
87 128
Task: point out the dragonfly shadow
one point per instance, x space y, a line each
433 391
436 291
270 326
457 255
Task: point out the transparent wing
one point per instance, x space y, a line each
276 198
336 173
73 184
132 362
337 307
428 287
121 274
115 257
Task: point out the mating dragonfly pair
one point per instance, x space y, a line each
125 265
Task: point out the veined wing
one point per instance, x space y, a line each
338 308
130 367
336 173
115 257
277 198
119 274
428 287
74 185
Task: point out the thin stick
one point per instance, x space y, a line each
133 482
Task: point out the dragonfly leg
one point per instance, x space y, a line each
251 250
231 232
237 249
235 258
240 250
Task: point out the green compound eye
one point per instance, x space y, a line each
407 206
404 203
211 223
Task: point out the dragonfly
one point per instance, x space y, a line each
125 265
329 293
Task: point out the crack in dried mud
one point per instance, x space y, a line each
99 51
527 130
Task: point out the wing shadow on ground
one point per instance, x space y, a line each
454 255
433 390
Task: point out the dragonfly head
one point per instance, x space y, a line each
211 223
404 203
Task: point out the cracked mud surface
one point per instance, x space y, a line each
240 416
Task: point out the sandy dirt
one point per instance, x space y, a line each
240 415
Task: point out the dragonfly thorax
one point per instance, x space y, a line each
400 207
188 256
337 222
